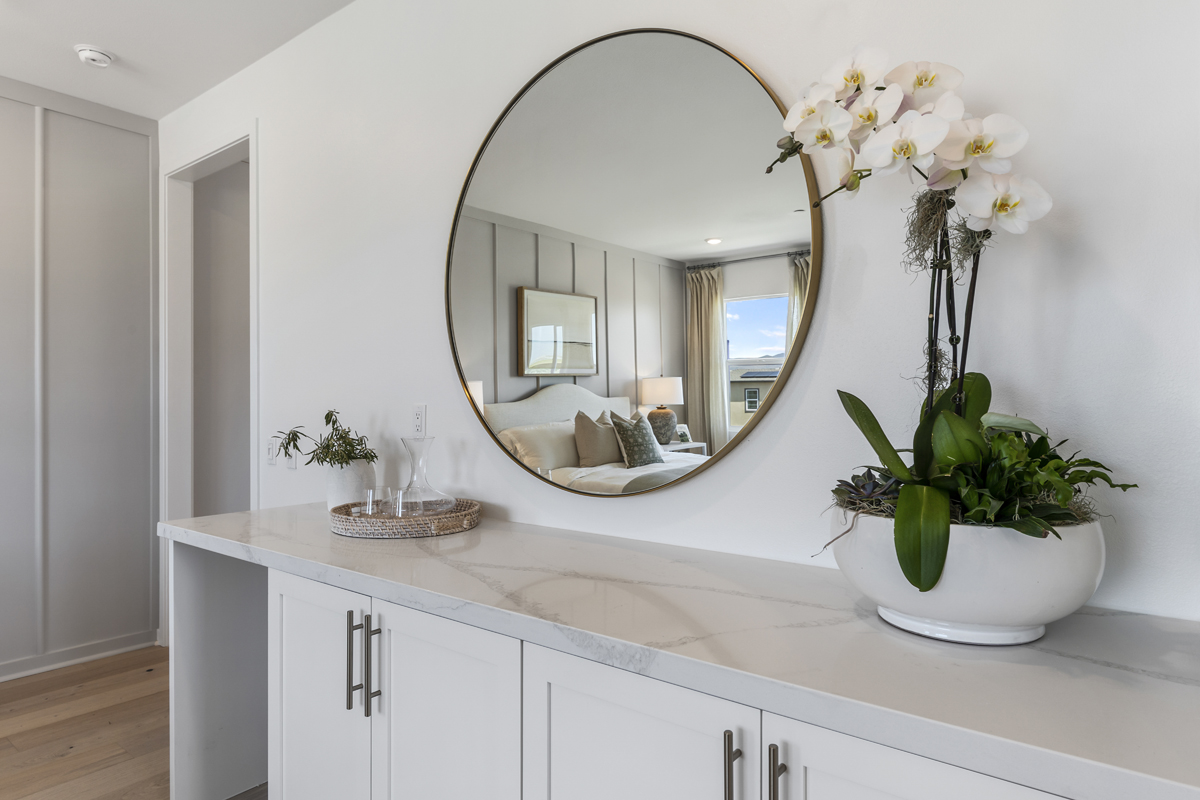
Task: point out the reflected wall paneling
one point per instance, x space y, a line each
77 461
589 279
516 266
639 328
473 306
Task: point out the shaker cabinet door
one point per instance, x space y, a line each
824 765
447 722
317 748
594 732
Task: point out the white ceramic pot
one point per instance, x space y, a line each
348 484
998 586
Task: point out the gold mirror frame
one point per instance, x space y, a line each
810 302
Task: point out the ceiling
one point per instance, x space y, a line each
654 142
167 51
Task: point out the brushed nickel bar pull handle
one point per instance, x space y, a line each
351 686
731 756
774 770
368 695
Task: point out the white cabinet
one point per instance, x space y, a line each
317 748
824 765
594 732
448 722
443 719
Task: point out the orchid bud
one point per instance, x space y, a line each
852 182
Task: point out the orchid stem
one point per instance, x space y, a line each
962 370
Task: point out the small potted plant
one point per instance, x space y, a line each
956 544
348 462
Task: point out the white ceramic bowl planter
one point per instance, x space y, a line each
998 586
348 484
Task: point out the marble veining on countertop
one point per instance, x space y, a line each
1107 704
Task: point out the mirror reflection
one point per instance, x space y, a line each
626 284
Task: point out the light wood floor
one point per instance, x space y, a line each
94 731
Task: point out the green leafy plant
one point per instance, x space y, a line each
338 448
975 468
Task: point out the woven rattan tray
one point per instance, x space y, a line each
463 517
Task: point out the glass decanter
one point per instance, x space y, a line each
419 497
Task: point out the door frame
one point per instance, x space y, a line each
176 339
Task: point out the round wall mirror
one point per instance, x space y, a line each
627 288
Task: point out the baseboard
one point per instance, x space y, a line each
31 665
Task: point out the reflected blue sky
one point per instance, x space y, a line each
756 328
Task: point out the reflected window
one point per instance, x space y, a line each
755 347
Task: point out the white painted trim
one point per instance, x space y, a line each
33 665
176 369
41 542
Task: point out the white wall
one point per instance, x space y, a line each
368 124
221 343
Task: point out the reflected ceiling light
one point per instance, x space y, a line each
712 241
93 56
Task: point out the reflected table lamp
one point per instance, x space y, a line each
662 392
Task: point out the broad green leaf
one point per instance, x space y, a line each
922 533
977 397
922 445
1006 422
871 429
955 441
1030 526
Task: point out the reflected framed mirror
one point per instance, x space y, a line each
627 289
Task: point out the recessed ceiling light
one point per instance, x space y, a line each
93 56
712 241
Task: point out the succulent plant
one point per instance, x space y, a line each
868 487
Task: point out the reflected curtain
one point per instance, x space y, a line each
799 267
707 374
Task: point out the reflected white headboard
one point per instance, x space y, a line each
555 403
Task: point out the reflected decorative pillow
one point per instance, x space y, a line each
547 445
636 437
596 440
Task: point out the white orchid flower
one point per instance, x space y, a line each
943 178
874 107
909 141
1010 201
827 126
847 177
925 81
807 106
861 68
988 142
949 107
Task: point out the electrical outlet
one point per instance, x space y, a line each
420 423
271 452
291 461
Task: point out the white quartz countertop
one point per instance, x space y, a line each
1106 705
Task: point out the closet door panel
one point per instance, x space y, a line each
99 381
18 584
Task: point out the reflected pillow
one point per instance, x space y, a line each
547 445
596 440
636 437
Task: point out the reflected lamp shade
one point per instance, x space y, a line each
661 392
